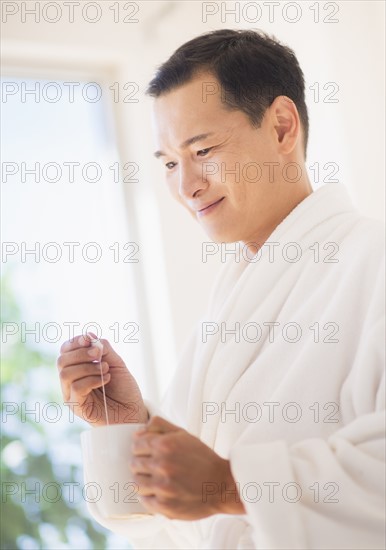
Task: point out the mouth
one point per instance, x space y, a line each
208 209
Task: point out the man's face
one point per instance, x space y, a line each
214 161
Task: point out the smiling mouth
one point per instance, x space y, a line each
209 208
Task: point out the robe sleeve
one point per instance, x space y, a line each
323 493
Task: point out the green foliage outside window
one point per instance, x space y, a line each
43 506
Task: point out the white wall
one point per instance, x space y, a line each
350 133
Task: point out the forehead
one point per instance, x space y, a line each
193 108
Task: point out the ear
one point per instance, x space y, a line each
286 123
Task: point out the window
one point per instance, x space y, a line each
68 265
65 231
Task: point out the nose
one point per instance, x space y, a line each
190 180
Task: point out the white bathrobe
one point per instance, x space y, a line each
297 410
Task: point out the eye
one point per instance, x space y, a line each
170 165
203 152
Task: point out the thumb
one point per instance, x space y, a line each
160 425
109 354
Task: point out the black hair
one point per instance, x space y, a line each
251 67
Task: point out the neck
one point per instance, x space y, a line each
282 210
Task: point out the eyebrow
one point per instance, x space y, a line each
186 143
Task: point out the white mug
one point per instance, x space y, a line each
107 475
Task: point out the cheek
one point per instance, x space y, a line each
238 190
237 175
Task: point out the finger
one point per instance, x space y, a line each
145 484
91 335
78 356
142 445
80 389
142 465
159 425
156 504
72 373
109 354
79 341
151 485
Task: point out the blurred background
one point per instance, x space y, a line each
91 239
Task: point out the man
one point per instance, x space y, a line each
271 434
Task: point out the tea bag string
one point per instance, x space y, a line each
96 343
